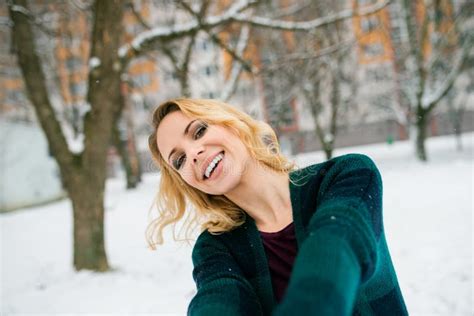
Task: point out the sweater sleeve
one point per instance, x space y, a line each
222 289
340 252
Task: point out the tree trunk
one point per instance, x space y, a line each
421 127
328 145
459 139
335 103
455 117
183 81
328 151
88 210
124 141
83 174
104 96
134 155
121 143
456 120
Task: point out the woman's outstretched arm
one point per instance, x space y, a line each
340 251
222 288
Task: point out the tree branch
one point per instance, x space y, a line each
217 40
298 57
453 31
240 64
292 9
235 55
143 41
185 67
23 10
35 82
146 39
312 24
237 67
430 98
415 46
138 16
103 80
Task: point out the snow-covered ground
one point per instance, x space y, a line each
428 221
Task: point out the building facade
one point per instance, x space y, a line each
155 77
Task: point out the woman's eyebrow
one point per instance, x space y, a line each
186 130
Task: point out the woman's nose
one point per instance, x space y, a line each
195 158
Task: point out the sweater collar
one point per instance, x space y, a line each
255 245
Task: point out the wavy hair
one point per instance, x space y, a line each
214 213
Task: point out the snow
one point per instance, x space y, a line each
160 31
427 216
328 137
156 33
76 144
94 62
20 9
25 167
123 50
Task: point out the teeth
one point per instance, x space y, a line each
212 165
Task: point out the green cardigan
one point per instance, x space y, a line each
343 266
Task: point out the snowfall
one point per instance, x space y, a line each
427 215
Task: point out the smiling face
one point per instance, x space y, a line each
210 158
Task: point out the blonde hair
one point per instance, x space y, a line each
216 212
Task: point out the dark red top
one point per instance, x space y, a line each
280 248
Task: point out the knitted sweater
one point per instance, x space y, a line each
343 266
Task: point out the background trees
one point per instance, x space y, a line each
437 52
296 56
83 174
95 122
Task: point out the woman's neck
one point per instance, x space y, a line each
264 194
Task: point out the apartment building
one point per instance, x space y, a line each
154 78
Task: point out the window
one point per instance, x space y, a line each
369 23
209 95
378 74
142 80
210 70
170 76
205 45
74 63
246 90
78 88
373 49
13 96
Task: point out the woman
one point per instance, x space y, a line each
263 221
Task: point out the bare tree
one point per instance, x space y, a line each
319 71
330 85
324 93
123 138
430 76
84 173
457 107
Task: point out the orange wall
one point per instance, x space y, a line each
376 39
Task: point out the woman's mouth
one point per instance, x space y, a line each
214 166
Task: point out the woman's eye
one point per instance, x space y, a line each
200 130
179 162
